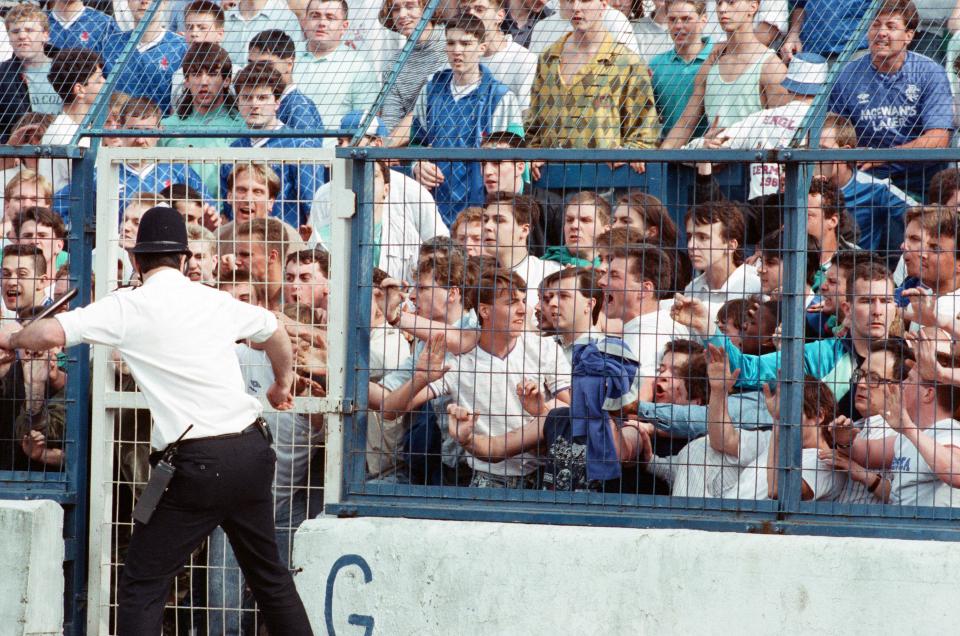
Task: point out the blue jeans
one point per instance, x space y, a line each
230 603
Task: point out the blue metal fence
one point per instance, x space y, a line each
69 487
666 178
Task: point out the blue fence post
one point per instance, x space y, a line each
76 519
793 286
358 328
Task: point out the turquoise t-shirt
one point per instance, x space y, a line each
222 118
673 79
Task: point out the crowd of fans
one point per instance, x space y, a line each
524 335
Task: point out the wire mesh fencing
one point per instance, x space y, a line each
259 259
775 358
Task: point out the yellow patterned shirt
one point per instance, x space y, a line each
609 103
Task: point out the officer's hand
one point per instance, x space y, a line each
280 396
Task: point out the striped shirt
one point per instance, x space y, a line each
427 57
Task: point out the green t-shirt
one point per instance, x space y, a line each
222 118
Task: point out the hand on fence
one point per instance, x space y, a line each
532 398
34 445
7 329
843 432
922 308
535 167
430 365
772 400
280 397
690 313
637 166
924 345
428 174
790 47
307 386
721 378
461 424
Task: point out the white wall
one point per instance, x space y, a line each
437 577
31 568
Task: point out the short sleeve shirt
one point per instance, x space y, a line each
183 361
891 109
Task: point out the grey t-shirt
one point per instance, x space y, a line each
43 99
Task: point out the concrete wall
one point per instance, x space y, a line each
401 576
31 567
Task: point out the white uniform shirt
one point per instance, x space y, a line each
487 385
648 334
551 29
178 339
913 482
742 282
533 270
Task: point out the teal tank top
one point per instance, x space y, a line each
728 102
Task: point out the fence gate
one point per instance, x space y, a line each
208 597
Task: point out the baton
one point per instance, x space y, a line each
54 306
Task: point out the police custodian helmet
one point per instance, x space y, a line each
162 231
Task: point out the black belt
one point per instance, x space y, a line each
258 426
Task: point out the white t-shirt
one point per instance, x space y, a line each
652 38
855 492
184 363
533 270
821 478
60 133
291 431
551 29
648 334
420 210
913 481
388 350
743 282
515 67
487 386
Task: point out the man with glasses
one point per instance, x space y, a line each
918 462
886 364
870 311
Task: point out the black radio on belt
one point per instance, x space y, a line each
160 478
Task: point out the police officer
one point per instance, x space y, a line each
178 338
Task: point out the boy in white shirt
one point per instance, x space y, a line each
506 225
509 62
499 387
715 236
633 281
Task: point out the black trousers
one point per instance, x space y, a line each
219 482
